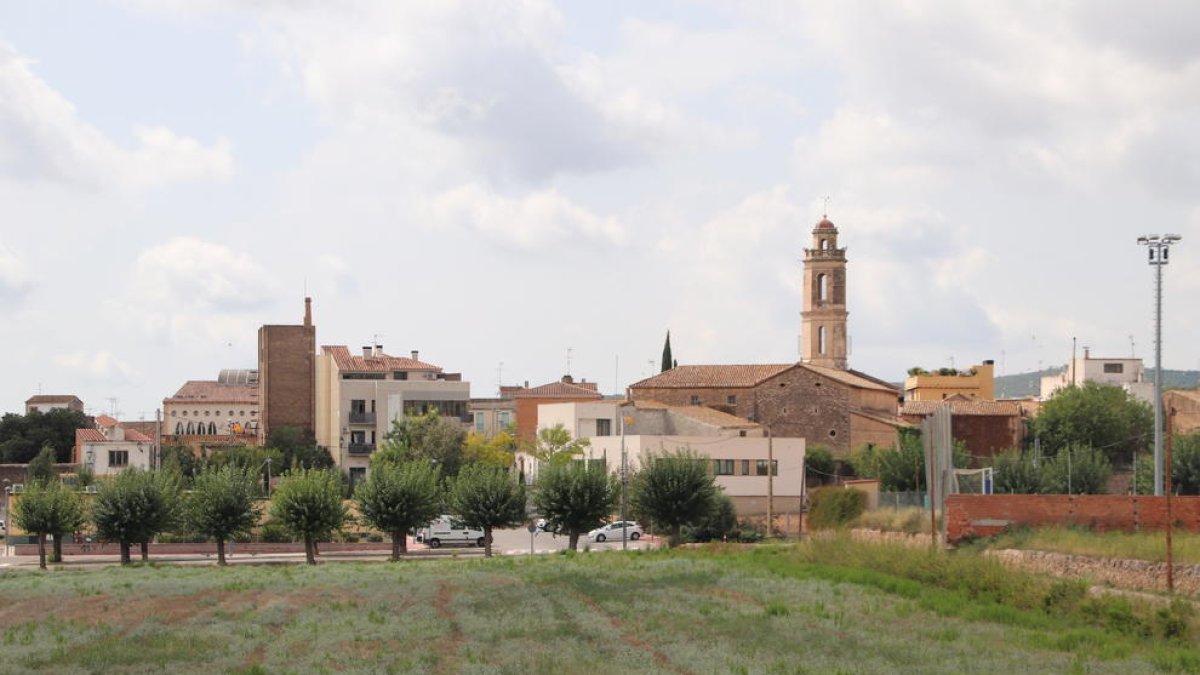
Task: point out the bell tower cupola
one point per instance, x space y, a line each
823 314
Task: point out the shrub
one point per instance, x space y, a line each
1076 470
835 507
910 519
275 532
818 462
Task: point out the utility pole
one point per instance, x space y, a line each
1170 516
770 482
624 483
1159 249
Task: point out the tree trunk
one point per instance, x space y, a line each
397 545
145 551
676 536
42 550
487 542
573 540
309 550
124 553
56 556
221 551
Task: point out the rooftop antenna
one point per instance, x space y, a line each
499 378
569 350
1132 348
112 402
825 210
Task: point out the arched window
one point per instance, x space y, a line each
824 244
190 429
179 428
212 429
822 287
821 340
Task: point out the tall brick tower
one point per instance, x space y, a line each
287 375
823 318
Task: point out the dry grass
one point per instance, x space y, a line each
1126 545
911 519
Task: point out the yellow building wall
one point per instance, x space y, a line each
981 386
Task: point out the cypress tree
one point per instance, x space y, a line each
667 361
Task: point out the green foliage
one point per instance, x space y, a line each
136 505
396 498
85 477
904 469
674 490
1017 472
429 438
499 450
835 507
720 522
575 497
297 449
864 461
556 446
46 507
309 503
42 466
23 436
275 532
917 371
180 459
221 504
1076 470
1185 464
250 459
1101 416
818 462
487 497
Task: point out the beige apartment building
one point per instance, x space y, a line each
978 384
358 396
221 412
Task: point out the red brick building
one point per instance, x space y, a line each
985 427
527 398
287 375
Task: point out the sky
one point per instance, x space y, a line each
521 189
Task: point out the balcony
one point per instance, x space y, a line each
362 418
361 448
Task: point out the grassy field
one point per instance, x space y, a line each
829 606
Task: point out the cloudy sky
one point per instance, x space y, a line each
501 184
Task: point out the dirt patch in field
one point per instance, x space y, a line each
448 647
629 638
736 596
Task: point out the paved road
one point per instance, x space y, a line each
505 542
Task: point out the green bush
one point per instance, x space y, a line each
835 507
274 532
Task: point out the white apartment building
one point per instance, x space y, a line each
1128 374
740 450
111 448
358 397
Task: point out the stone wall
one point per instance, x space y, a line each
1133 574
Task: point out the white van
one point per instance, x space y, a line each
449 531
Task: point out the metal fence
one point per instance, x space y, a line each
899 500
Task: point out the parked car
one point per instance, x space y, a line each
615 530
450 530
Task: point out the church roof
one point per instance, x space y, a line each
691 377
825 224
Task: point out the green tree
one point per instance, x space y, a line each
1185 467
555 445
818 462
575 498
674 490
23 436
1076 470
1101 416
42 466
429 438
263 462
499 450
1017 472
903 470
720 521
181 459
298 449
487 497
309 503
667 362
397 498
221 504
134 506
47 508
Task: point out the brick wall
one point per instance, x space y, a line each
987 515
287 377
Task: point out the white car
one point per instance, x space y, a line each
615 530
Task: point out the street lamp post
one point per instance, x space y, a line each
1159 250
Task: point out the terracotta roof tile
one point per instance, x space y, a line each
687 377
132 435
106 421
713 417
211 391
88 436
559 390
852 377
373 364
52 398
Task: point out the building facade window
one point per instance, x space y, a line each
820 339
723 467
745 467
504 418
761 467
604 427
822 287
118 458
479 422
1115 368
179 428
695 400
731 399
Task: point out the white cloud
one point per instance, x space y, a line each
16 280
42 137
98 366
535 221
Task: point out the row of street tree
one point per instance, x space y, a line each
400 494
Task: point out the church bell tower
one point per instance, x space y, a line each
823 318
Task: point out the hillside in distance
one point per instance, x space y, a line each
1022 385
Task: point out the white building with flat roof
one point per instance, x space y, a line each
1129 374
